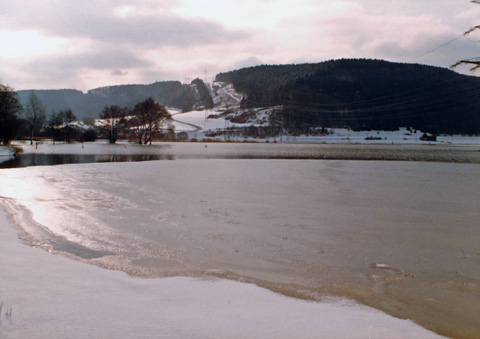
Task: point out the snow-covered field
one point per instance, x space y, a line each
198 123
344 136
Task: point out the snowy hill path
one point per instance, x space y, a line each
196 127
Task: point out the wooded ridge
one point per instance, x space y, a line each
361 94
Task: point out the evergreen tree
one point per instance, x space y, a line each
10 109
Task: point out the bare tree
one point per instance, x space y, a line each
35 115
65 120
54 125
473 61
148 118
114 117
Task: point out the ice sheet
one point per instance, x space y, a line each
54 297
401 236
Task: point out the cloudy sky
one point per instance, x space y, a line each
85 44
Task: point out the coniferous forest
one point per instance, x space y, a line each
363 95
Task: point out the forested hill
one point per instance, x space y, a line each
167 93
363 94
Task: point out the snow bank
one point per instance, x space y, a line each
98 147
53 297
6 152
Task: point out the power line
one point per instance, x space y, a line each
436 48
473 61
449 14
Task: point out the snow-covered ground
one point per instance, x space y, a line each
197 123
5 152
212 123
224 95
51 296
337 135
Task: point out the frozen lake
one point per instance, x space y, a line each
401 236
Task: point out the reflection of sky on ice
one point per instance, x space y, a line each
88 205
50 195
25 186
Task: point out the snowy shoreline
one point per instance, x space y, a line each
5 152
51 296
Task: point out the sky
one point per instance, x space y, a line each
85 44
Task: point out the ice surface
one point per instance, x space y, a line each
401 236
300 227
54 297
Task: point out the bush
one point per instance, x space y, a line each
89 135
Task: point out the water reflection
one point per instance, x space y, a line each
41 159
117 153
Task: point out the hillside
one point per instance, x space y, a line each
169 93
362 95
358 94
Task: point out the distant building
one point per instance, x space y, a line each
428 137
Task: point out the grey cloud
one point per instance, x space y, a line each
118 72
99 59
391 49
448 54
168 31
159 74
249 62
99 22
52 71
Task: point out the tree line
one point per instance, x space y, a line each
146 121
362 94
173 94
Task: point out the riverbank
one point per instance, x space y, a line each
50 296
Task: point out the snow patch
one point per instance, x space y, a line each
5 152
225 96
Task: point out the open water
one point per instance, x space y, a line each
90 153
